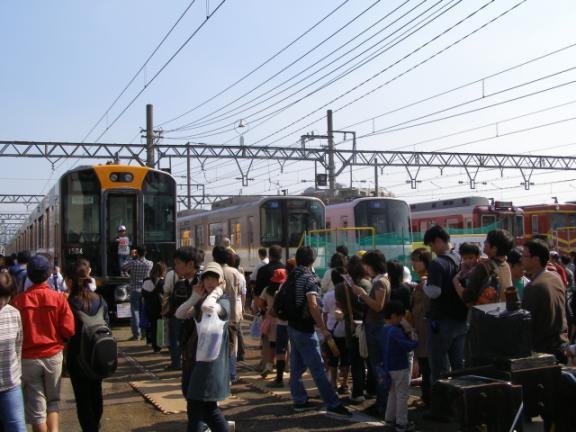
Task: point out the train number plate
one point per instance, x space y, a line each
123 310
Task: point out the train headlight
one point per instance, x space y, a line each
128 177
114 177
121 293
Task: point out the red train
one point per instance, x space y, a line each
556 221
468 213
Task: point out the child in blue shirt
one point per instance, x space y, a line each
395 346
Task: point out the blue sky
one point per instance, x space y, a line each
65 62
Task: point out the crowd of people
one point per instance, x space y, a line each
367 329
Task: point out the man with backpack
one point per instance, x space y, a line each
47 322
447 314
177 289
187 262
19 271
298 302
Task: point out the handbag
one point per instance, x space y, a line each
210 334
357 330
266 326
256 328
360 333
161 333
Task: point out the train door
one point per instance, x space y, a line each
121 209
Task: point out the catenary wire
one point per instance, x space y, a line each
310 29
139 70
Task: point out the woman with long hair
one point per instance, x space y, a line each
152 289
375 265
87 391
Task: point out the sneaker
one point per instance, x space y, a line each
409 427
356 400
306 406
342 390
339 411
134 338
275 384
374 411
172 368
231 426
267 371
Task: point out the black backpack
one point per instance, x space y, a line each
285 307
180 293
98 355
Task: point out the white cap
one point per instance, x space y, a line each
121 228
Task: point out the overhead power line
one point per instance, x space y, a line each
257 68
402 73
164 66
154 51
411 30
209 119
419 48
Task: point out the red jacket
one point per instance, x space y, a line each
47 321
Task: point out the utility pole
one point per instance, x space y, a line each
149 136
331 168
376 177
188 182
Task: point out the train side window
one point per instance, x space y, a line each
235 233
535 224
487 220
519 226
216 231
453 223
199 236
40 236
250 230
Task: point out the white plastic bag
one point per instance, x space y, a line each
256 328
210 333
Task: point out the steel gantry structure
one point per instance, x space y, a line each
413 161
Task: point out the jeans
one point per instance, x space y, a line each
88 395
174 326
375 357
12 410
446 345
305 353
121 260
135 305
357 369
397 406
201 413
234 330
424 366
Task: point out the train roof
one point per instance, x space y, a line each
570 206
355 201
256 201
448 203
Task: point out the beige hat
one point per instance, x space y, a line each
214 267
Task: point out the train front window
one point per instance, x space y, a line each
159 208
507 223
519 226
385 216
302 215
81 216
271 222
